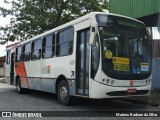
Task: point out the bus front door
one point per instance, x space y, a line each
12 69
82 62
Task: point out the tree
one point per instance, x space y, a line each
32 17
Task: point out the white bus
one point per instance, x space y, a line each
99 55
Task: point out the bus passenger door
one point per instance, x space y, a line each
82 62
12 69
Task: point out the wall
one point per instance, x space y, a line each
134 8
2 66
2 70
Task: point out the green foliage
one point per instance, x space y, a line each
32 17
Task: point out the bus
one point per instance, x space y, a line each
99 55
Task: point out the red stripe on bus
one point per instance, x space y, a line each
21 71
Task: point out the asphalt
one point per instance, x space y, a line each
153 99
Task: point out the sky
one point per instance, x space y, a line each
3 22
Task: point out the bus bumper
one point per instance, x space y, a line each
100 91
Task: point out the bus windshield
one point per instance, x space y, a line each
125 51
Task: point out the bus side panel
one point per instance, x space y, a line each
21 72
33 75
43 76
53 68
48 85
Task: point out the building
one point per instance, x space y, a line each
2 68
147 11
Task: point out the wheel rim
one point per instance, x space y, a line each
63 92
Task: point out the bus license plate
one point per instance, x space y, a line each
132 90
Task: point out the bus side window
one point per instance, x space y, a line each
36 49
48 46
64 42
27 50
18 54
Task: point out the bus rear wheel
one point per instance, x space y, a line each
63 93
20 90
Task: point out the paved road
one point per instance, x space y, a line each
41 101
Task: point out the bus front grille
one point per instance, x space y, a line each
125 93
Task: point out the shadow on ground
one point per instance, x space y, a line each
153 99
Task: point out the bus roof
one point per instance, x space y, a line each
12 45
78 20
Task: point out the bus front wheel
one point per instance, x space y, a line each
63 93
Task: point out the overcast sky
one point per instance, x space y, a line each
3 22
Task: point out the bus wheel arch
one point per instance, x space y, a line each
58 80
63 91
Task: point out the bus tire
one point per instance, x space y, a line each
63 93
20 90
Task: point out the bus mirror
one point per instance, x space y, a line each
92 38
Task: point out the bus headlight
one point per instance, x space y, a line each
112 82
148 81
107 81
